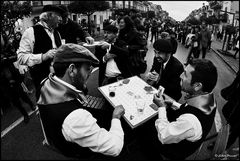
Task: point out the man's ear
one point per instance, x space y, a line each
71 70
197 86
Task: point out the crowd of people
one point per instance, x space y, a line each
60 67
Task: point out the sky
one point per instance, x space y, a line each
179 10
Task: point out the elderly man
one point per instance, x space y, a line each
38 44
71 31
183 131
73 129
166 69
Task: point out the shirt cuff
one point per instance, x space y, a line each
116 126
162 113
103 60
110 47
178 105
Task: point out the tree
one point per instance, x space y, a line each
88 8
151 14
11 11
194 21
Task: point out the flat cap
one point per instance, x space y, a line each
111 28
73 53
163 45
164 35
53 8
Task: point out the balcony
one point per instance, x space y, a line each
215 5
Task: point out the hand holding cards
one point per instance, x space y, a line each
160 91
152 76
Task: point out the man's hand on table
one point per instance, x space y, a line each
118 112
89 40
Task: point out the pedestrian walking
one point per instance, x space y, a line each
237 48
205 37
147 26
154 29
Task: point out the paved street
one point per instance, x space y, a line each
25 140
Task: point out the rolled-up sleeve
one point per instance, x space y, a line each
187 126
25 50
81 127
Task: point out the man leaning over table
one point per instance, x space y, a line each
182 132
73 129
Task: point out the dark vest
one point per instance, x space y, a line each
53 115
185 148
42 44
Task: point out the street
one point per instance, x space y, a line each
25 140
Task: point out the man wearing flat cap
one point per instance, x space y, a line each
71 31
73 129
108 68
39 42
166 69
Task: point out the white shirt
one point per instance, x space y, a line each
81 127
25 50
187 126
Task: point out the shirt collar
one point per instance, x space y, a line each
80 93
164 64
45 25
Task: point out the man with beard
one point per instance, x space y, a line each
166 69
73 129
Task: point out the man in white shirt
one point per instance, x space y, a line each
182 130
75 130
38 43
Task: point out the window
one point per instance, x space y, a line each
66 2
110 4
37 3
74 17
101 19
56 2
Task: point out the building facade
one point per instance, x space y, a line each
97 17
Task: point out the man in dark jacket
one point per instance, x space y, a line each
166 69
71 31
107 72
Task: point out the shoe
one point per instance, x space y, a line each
26 119
33 107
211 146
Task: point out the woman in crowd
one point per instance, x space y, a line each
130 39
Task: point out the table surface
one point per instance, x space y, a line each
125 96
